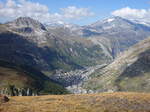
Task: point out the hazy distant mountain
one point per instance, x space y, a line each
122 33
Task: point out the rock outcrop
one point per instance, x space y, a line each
3 99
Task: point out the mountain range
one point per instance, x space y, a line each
102 56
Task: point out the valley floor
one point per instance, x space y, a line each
104 102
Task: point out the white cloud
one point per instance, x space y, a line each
136 14
74 12
12 9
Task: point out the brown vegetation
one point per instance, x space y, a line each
104 102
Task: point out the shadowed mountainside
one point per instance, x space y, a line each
26 78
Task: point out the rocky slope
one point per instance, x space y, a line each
129 72
28 42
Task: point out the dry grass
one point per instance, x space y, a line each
105 102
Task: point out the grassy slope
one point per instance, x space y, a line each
26 77
136 76
104 102
129 72
11 76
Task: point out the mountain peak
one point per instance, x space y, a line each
114 18
27 22
116 23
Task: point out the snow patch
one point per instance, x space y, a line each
110 20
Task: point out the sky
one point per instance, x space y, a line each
80 12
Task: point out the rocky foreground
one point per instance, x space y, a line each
104 102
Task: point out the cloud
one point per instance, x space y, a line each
136 14
77 13
12 9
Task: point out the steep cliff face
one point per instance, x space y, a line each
129 72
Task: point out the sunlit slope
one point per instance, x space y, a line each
105 102
129 72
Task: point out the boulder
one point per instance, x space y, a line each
3 99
